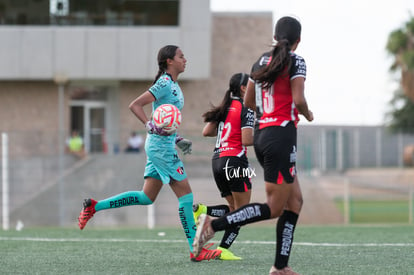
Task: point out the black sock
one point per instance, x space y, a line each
284 234
229 237
218 210
246 214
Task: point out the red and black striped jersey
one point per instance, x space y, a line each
229 131
275 106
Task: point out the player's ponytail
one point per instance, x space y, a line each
166 52
287 33
218 113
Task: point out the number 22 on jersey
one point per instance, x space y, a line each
223 132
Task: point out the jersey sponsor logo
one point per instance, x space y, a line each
238 172
184 222
220 150
268 120
244 214
287 236
250 118
218 212
230 239
124 202
174 89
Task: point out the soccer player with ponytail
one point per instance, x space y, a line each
276 92
232 125
163 164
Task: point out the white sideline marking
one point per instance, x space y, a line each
182 241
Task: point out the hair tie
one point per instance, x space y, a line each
241 79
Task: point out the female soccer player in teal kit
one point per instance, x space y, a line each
163 164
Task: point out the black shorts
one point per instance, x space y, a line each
275 149
231 174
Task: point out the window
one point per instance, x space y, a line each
90 12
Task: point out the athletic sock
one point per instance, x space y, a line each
285 228
229 237
246 214
123 199
185 211
218 210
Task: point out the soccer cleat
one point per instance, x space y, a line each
227 255
285 271
199 209
87 212
206 255
204 233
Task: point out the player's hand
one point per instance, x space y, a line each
152 129
184 144
310 116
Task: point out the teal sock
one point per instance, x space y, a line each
185 210
123 199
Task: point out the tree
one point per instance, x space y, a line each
401 116
401 46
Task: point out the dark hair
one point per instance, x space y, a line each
219 113
287 33
166 52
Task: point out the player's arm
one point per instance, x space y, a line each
137 105
250 96
210 130
298 94
247 136
247 122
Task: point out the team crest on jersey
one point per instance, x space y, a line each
180 170
292 171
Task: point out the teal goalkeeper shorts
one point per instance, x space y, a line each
163 162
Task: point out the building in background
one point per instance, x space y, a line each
66 65
69 66
103 53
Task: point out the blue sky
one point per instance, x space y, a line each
343 43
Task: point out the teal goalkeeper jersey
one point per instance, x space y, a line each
165 91
163 161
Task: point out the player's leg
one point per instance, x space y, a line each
225 192
211 210
288 217
286 226
147 196
236 200
184 194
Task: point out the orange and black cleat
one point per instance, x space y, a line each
87 212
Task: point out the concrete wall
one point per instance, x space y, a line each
237 40
83 52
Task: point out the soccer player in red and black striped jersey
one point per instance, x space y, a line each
232 125
276 92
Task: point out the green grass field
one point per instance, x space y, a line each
377 211
353 249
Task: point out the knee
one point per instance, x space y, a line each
295 204
275 211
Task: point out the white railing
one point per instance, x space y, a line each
5 180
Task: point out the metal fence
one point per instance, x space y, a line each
47 188
338 148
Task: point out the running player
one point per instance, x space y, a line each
232 123
276 92
163 164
